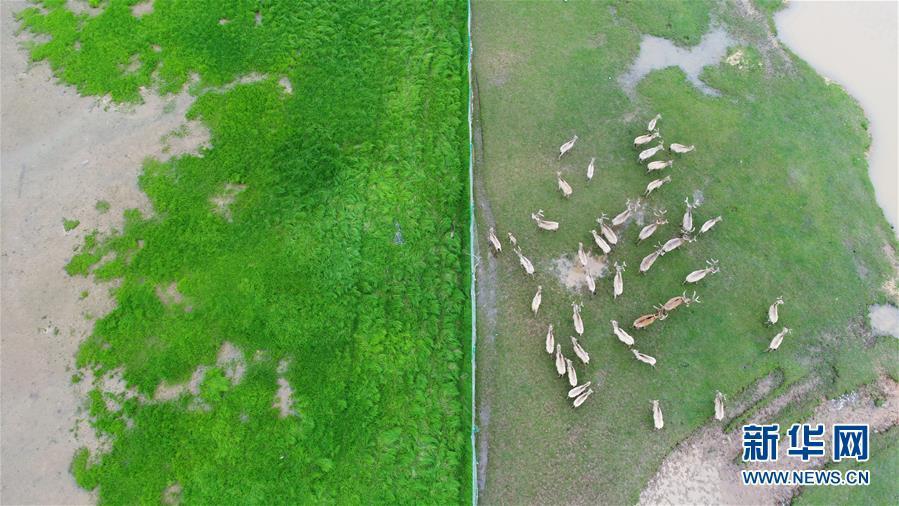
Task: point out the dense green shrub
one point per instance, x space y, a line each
371 140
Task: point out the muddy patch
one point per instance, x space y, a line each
485 299
884 320
705 468
658 53
573 276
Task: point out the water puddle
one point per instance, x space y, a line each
657 53
855 45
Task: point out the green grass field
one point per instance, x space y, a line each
780 155
345 252
884 464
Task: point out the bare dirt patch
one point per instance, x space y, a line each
232 361
284 399
61 154
573 275
704 468
83 7
884 320
142 9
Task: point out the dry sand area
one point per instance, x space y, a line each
59 155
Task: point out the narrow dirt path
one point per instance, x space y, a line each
485 278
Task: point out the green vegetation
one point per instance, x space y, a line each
102 206
344 253
780 155
682 22
69 225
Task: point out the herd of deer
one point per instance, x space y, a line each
606 238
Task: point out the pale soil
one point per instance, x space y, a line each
486 286
60 153
705 468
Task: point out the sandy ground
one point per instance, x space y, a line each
59 155
704 468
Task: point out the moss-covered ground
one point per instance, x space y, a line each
343 252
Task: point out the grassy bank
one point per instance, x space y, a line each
325 229
780 155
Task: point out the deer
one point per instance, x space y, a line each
622 217
709 224
525 263
657 419
552 226
581 254
572 374
778 339
656 184
680 148
564 148
606 230
772 311
564 187
681 300
697 276
719 405
651 258
648 319
603 245
560 360
642 357
538 297
494 242
646 154
622 336
576 318
645 139
652 123
687 225
618 284
675 242
582 398
512 240
591 167
580 351
658 165
578 390
591 283
647 231
550 340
